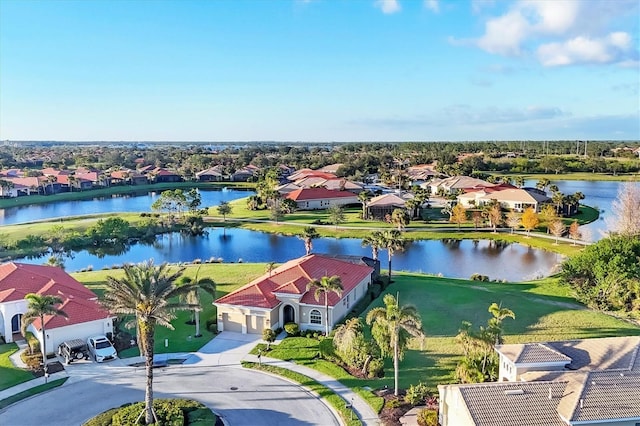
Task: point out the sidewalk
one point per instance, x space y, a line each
360 406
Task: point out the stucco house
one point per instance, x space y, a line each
381 206
454 184
516 199
321 198
563 383
281 296
86 317
212 174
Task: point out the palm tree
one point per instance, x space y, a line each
206 285
326 285
308 235
39 306
150 293
495 324
346 334
400 218
375 241
519 180
270 267
391 329
363 197
392 241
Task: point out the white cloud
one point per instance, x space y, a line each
432 5
388 6
581 50
560 32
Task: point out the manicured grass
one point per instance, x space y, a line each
228 277
544 311
30 392
336 401
574 176
9 374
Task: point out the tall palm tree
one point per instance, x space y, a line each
392 325
392 241
149 292
324 286
308 235
375 241
270 267
39 306
206 285
363 197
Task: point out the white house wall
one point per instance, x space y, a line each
453 410
7 311
81 331
326 203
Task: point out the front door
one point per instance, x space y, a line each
289 314
15 323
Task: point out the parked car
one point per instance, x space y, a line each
101 348
72 350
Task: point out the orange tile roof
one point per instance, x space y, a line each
292 278
303 194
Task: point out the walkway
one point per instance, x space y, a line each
227 349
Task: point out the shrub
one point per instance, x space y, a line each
376 368
427 417
292 329
33 342
170 412
212 324
479 277
417 394
33 361
269 336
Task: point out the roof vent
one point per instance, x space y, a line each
550 394
581 402
513 392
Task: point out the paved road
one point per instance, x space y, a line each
240 396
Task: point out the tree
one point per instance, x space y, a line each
493 212
519 180
269 336
270 267
336 215
363 197
392 241
39 306
308 235
476 216
548 214
275 212
625 219
392 327
574 232
513 220
193 297
400 218
557 229
224 208
412 205
542 184
458 214
529 220
324 286
194 200
150 293
495 324
606 275
375 240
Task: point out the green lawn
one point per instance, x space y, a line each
9 374
30 392
574 176
227 276
544 311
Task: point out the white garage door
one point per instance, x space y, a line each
232 322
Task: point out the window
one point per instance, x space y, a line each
315 317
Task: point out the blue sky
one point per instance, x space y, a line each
319 70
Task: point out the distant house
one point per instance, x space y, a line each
516 199
23 186
86 317
565 383
307 173
381 206
281 296
421 174
245 174
331 168
212 174
321 198
455 184
129 177
73 182
160 175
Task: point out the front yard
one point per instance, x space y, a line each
9 374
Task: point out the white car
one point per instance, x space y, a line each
101 348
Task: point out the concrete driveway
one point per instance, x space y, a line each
212 376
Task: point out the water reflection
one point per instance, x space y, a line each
451 258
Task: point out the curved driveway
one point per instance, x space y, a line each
240 397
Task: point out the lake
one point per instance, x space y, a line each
460 259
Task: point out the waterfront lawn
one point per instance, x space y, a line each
228 277
10 375
544 311
574 176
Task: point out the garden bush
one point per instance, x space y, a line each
417 394
479 277
33 361
292 329
376 368
427 417
33 342
212 324
170 412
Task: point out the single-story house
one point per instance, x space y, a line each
161 175
245 174
129 177
565 383
321 198
516 199
454 184
280 296
379 207
86 316
212 174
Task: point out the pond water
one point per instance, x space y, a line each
138 202
461 259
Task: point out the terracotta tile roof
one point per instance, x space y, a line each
386 200
305 194
19 279
292 278
514 403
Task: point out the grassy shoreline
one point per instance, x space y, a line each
634 177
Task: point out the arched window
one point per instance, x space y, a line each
315 317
